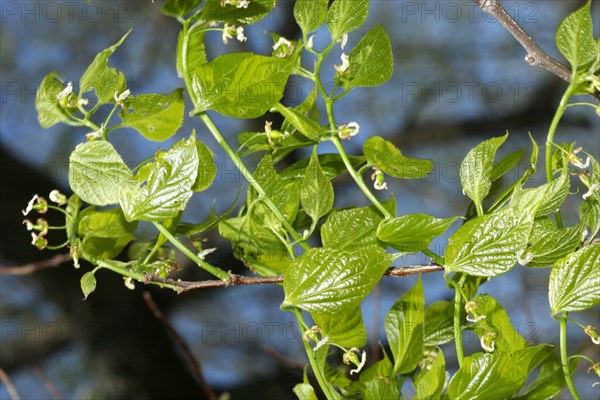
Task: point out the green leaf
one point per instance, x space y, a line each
304 391
310 14
476 169
345 329
496 322
381 388
389 159
405 330
330 281
412 233
589 210
97 171
169 185
439 323
371 61
382 368
231 14
88 284
196 50
575 281
488 245
305 125
103 80
179 8
544 199
105 248
47 105
550 380
345 16
104 223
240 85
430 381
493 376
575 37
551 247
331 164
507 163
156 116
207 170
352 229
190 229
316 192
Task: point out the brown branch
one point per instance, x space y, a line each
236 280
185 348
10 387
535 55
33 267
48 383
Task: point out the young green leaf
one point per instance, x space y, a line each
382 368
575 37
207 170
496 322
46 102
430 382
476 169
346 329
305 125
506 164
544 199
330 281
439 323
489 245
310 14
169 185
316 192
179 8
405 331
345 16
97 171
589 211
381 388
331 164
574 281
412 233
88 284
232 13
240 85
550 381
352 229
304 391
371 61
495 375
551 247
389 159
196 50
156 116
104 248
104 223
103 80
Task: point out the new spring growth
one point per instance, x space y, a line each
229 30
351 356
237 3
591 332
311 334
428 359
282 48
378 179
121 97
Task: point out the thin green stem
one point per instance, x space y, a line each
564 359
458 304
219 273
138 276
434 257
312 359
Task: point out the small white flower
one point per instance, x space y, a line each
344 40
206 252
478 318
58 197
524 260
240 34
282 41
28 224
228 29
361 365
83 101
488 342
310 42
282 48
320 343
243 4
30 205
378 180
349 130
345 63
120 98
95 135
129 284
591 190
65 92
213 24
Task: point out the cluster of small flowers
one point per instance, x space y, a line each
40 204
